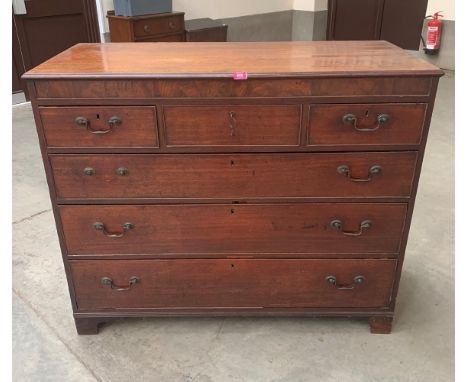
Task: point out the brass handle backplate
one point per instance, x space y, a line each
114 121
146 28
102 227
333 281
351 119
89 171
345 170
81 121
108 281
338 225
84 122
122 171
171 25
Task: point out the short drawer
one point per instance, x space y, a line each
253 283
100 126
366 124
236 176
227 229
148 26
232 125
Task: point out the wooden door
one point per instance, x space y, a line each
397 21
44 28
354 19
402 22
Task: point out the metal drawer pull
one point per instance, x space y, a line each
351 119
101 227
357 280
344 169
108 281
232 123
146 28
84 122
338 225
171 25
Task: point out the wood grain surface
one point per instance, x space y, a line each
105 89
138 127
405 125
232 125
221 59
227 229
232 283
233 177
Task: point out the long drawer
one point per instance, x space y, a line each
237 176
140 284
228 229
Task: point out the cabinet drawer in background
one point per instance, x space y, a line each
232 283
233 125
366 124
174 37
234 177
100 126
148 26
227 229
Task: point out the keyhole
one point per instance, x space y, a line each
232 163
232 265
367 113
232 210
98 116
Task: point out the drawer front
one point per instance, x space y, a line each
101 126
178 37
235 283
238 176
227 229
211 34
233 125
148 27
366 124
398 87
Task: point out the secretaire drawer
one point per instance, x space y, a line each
233 125
140 284
226 229
366 124
148 26
100 126
236 176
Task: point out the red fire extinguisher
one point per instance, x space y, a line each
434 33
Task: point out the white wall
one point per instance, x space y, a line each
102 7
310 5
446 6
215 9
219 9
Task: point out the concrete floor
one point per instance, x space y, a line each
421 348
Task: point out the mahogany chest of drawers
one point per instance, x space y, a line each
233 178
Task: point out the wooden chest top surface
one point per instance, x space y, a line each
219 60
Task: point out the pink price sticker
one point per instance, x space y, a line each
239 76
